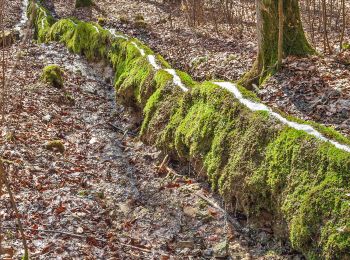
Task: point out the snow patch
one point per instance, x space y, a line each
254 106
176 79
152 61
142 51
97 30
113 32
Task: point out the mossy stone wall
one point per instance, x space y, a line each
252 160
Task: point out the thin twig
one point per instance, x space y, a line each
233 221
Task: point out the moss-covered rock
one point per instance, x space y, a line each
55 145
53 75
41 19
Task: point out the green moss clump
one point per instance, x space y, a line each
90 40
141 24
83 3
41 19
55 145
62 31
53 75
124 19
101 21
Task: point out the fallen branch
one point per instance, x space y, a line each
233 221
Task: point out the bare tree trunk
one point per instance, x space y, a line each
3 62
280 33
325 32
343 26
294 40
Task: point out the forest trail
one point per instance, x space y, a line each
103 197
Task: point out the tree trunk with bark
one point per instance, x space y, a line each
294 40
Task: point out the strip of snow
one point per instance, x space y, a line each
152 61
142 51
97 30
75 24
254 106
176 79
113 32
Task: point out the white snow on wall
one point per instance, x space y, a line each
253 106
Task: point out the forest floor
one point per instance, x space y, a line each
315 88
99 194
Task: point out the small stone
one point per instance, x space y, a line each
80 230
208 252
221 249
55 145
190 211
185 244
93 140
47 118
53 75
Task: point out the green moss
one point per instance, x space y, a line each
83 3
41 19
328 132
101 21
162 80
124 19
163 62
185 78
55 145
139 17
134 74
257 164
90 40
308 182
53 75
141 24
62 31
